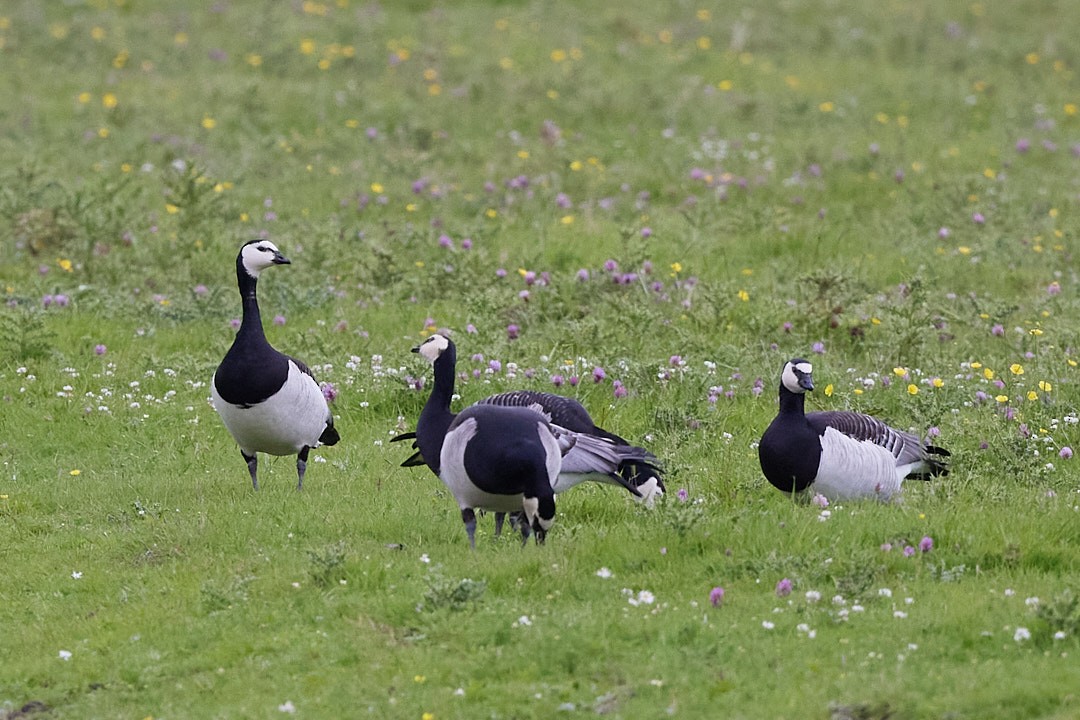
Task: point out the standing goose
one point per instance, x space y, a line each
839 454
269 402
505 459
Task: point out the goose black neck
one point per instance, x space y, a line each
791 403
251 322
436 417
443 389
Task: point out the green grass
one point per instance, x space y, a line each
782 170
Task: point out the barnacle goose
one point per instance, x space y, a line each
839 454
499 458
269 402
637 469
637 466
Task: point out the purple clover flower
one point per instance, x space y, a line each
783 588
926 544
329 391
716 596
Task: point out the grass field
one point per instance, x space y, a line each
647 206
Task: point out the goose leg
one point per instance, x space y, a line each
500 517
301 467
253 466
516 518
525 531
468 516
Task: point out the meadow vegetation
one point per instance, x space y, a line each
649 206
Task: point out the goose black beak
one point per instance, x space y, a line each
280 259
416 349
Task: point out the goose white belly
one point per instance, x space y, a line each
851 468
283 424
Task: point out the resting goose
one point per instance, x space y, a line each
504 459
269 402
839 454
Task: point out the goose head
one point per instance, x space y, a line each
797 376
433 348
257 255
539 514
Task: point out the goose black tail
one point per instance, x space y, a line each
329 435
933 466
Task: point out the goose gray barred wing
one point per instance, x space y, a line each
563 411
905 447
585 454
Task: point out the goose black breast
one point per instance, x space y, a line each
239 384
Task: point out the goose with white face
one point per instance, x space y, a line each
257 256
269 402
797 376
839 454
433 347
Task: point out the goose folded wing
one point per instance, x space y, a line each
904 446
563 411
587 454
302 367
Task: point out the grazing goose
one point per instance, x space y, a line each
494 457
270 402
636 466
839 454
502 459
